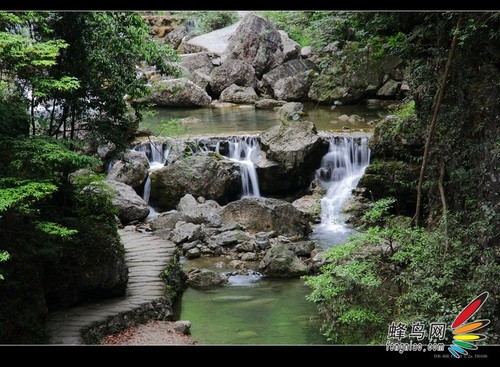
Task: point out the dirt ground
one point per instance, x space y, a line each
152 333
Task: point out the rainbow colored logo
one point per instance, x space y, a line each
464 335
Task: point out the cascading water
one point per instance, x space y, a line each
341 169
156 154
157 157
245 151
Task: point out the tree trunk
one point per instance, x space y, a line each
443 202
32 110
442 87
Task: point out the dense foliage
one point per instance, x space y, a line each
395 272
65 81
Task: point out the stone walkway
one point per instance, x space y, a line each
146 257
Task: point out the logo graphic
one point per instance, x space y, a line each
465 334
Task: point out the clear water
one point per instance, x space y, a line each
251 309
245 119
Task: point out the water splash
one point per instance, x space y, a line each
341 169
157 155
245 151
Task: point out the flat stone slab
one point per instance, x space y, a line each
147 256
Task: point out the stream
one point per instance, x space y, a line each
248 120
254 309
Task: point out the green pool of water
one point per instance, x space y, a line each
252 310
247 119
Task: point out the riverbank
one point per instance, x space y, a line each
151 333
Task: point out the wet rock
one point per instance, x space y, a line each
203 278
290 111
245 247
238 264
218 104
237 94
186 232
282 262
262 240
229 238
210 176
198 213
310 205
302 248
290 153
268 103
193 253
180 92
182 326
249 256
232 71
264 215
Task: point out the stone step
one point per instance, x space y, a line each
146 256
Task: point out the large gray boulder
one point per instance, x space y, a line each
290 81
237 94
180 92
290 111
130 205
132 170
199 213
229 238
232 71
290 154
279 261
208 176
268 103
264 215
175 37
257 42
197 61
291 49
204 278
186 232
166 220
351 78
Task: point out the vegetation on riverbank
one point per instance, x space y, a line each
398 272
430 243
63 78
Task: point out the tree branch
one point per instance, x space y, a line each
441 90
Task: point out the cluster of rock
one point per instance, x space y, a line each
197 192
267 234
261 63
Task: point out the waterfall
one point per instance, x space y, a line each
245 151
156 154
147 189
157 157
341 169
